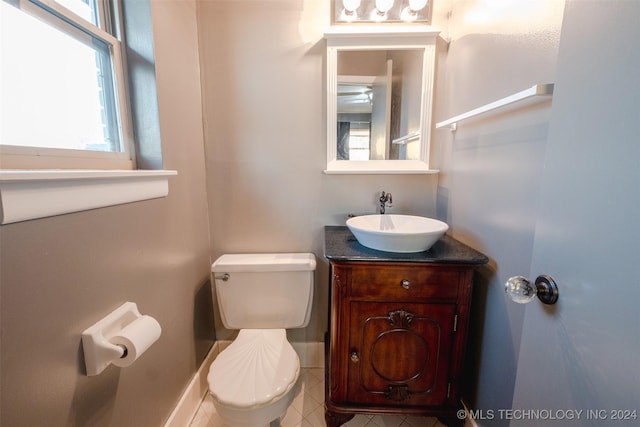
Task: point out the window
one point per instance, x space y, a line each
62 89
359 141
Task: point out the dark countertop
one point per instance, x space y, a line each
341 245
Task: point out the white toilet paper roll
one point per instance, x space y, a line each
136 337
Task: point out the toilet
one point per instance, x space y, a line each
252 380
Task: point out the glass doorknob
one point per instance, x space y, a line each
521 290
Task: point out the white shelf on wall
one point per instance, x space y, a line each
32 194
536 93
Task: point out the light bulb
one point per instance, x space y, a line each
410 13
383 6
349 13
416 5
351 5
379 13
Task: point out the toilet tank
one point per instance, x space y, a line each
264 291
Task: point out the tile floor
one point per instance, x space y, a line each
307 409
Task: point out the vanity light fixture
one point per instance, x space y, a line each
410 13
378 11
350 11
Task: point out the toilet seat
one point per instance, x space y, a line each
257 368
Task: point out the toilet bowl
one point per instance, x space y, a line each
253 380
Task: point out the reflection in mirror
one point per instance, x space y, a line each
379 98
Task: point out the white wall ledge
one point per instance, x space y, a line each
33 194
378 167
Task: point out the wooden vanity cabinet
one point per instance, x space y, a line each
396 339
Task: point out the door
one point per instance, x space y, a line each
579 358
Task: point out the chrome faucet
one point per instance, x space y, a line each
384 198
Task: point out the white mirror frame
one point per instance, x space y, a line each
365 37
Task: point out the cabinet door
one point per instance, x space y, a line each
399 353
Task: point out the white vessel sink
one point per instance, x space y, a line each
397 233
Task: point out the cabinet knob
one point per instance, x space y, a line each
405 283
355 357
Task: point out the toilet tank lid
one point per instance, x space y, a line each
229 263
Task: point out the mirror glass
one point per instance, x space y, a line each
379 94
378 105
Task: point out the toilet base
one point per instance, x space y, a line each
255 417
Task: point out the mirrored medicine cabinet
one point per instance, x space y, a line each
379 98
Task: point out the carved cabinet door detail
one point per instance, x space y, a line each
399 353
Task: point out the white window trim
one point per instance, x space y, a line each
43 158
33 194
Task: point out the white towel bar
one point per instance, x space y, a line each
534 93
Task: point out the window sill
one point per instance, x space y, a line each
378 167
32 194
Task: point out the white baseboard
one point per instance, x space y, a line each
311 356
190 401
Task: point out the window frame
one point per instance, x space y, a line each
61 18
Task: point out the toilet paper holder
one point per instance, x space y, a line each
97 341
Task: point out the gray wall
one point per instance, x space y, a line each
264 106
491 167
59 275
548 189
